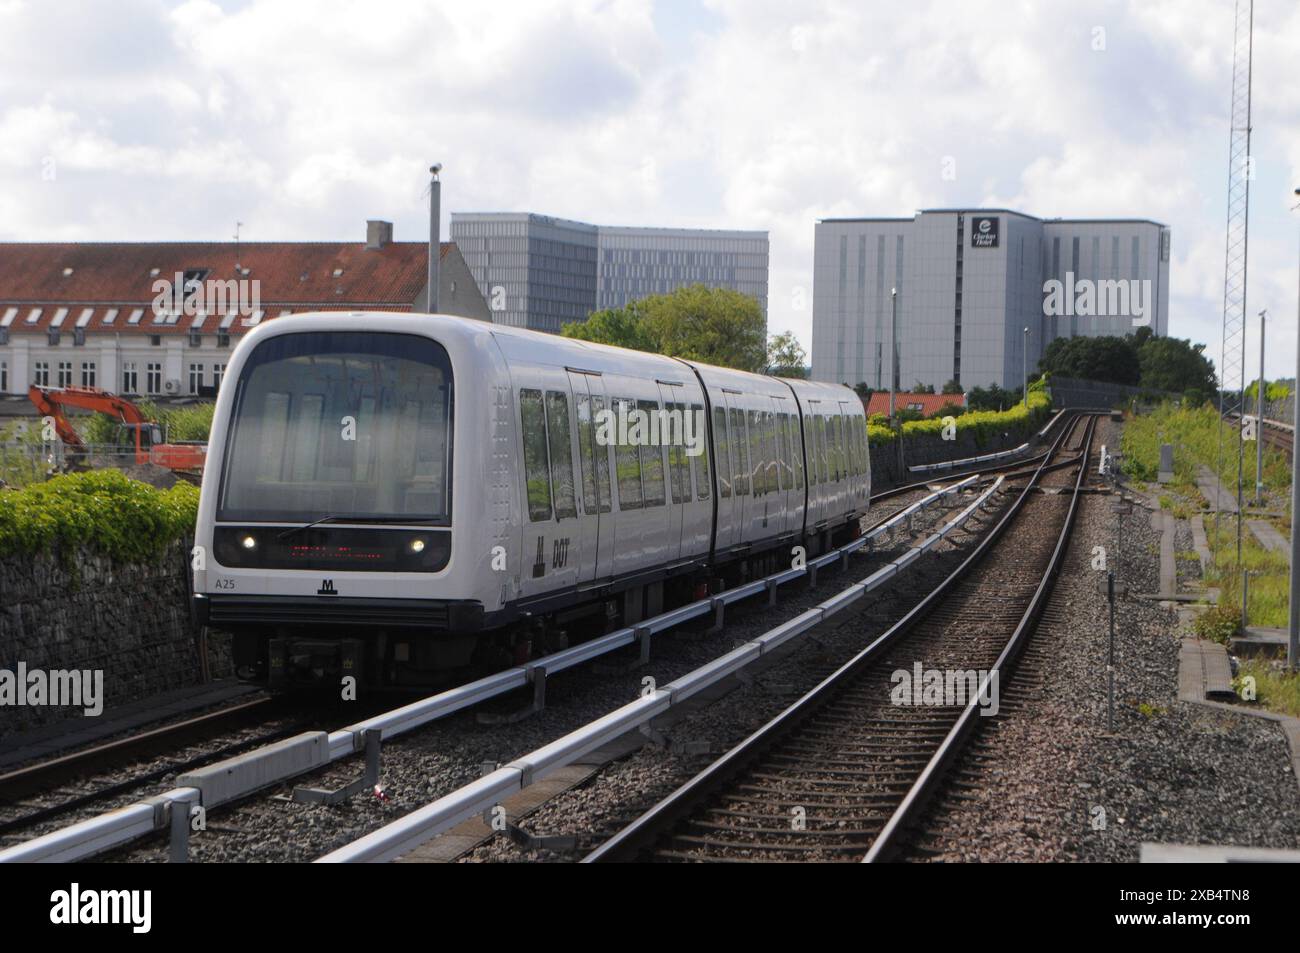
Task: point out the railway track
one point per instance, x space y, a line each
85 778
841 773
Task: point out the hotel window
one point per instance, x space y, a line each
223 340
153 378
130 378
217 371
155 340
196 378
41 374
196 340
88 374
4 377
65 373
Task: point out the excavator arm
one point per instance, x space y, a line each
50 402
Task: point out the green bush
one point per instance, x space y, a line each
189 422
1219 623
103 509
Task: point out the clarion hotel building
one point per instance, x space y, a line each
969 282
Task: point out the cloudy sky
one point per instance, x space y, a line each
150 120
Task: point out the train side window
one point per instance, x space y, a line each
859 438
560 443
700 462
652 458
757 471
587 452
841 451
740 456
600 455
837 458
823 458
627 464
722 444
537 475
772 452
810 447
782 457
677 457
796 452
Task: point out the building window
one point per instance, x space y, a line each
155 340
130 378
153 378
54 337
196 378
41 374
4 377
223 340
218 371
88 374
65 373
196 340
79 337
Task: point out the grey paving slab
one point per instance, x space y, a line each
1219 497
1269 537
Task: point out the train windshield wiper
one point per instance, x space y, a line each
340 518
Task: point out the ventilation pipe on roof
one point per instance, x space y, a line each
378 233
435 238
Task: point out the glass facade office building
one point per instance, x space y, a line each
540 272
970 281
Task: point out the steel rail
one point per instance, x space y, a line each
647 828
889 838
276 763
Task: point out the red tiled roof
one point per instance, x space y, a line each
930 403
292 276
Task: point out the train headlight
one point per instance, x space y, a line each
248 541
417 545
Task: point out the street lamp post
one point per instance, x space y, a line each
1259 419
1024 368
893 350
1293 616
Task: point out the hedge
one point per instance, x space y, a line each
984 423
103 509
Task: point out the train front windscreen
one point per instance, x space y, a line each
341 427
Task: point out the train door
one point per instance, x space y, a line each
595 528
722 452
812 434
678 475
552 533
742 504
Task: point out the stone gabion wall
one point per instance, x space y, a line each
81 610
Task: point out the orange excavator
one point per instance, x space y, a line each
135 432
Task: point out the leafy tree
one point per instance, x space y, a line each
621 327
952 387
992 397
786 356
713 325
919 388
863 391
1111 359
1177 365
949 409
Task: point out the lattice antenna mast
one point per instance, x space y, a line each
1240 172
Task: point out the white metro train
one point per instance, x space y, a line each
395 495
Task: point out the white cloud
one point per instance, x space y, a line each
302 119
